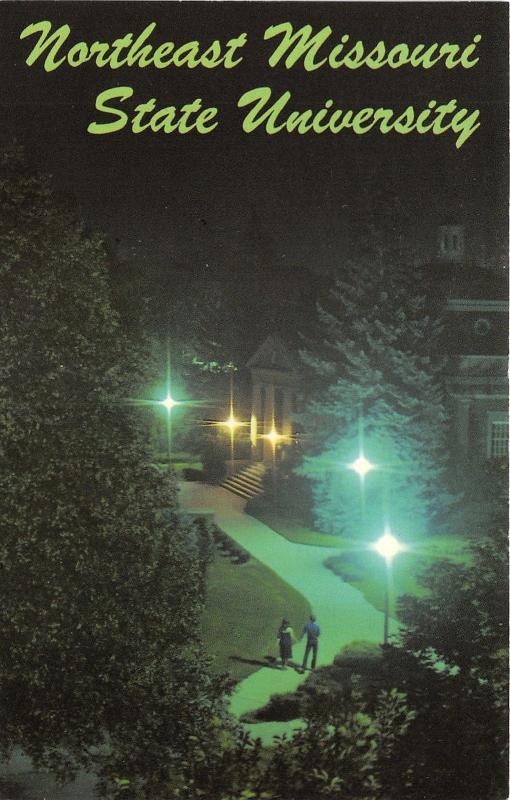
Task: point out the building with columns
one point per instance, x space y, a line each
275 382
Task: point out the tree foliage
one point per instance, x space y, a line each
455 663
340 754
454 746
100 660
375 390
463 618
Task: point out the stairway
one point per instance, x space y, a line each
248 482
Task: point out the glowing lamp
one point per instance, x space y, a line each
273 437
168 402
362 466
387 546
231 423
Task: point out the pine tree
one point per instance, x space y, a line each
376 391
100 585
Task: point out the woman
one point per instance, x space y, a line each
285 639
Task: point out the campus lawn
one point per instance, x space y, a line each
366 570
294 531
244 607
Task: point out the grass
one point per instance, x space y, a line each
294 531
365 569
244 607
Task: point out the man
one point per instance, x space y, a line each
312 632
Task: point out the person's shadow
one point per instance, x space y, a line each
267 661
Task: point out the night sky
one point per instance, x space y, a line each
229 198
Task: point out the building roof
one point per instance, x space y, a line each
272 354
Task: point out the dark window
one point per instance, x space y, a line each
498 445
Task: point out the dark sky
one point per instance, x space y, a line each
223 198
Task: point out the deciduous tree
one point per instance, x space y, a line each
100 662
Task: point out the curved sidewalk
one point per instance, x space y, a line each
342 612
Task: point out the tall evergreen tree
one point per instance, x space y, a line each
100 585
376 392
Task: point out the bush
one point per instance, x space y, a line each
229 547
213 455
287 493
191 474
281 707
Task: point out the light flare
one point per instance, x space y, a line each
387 546
362 466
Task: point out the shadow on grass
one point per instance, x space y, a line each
267 661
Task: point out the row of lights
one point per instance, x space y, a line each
231 423
387 546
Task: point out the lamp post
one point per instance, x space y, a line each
169 403
387 547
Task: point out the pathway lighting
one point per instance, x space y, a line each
168 402
387 547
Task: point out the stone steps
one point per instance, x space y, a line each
247 483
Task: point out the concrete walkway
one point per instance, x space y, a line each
342 612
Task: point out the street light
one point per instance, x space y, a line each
387 547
